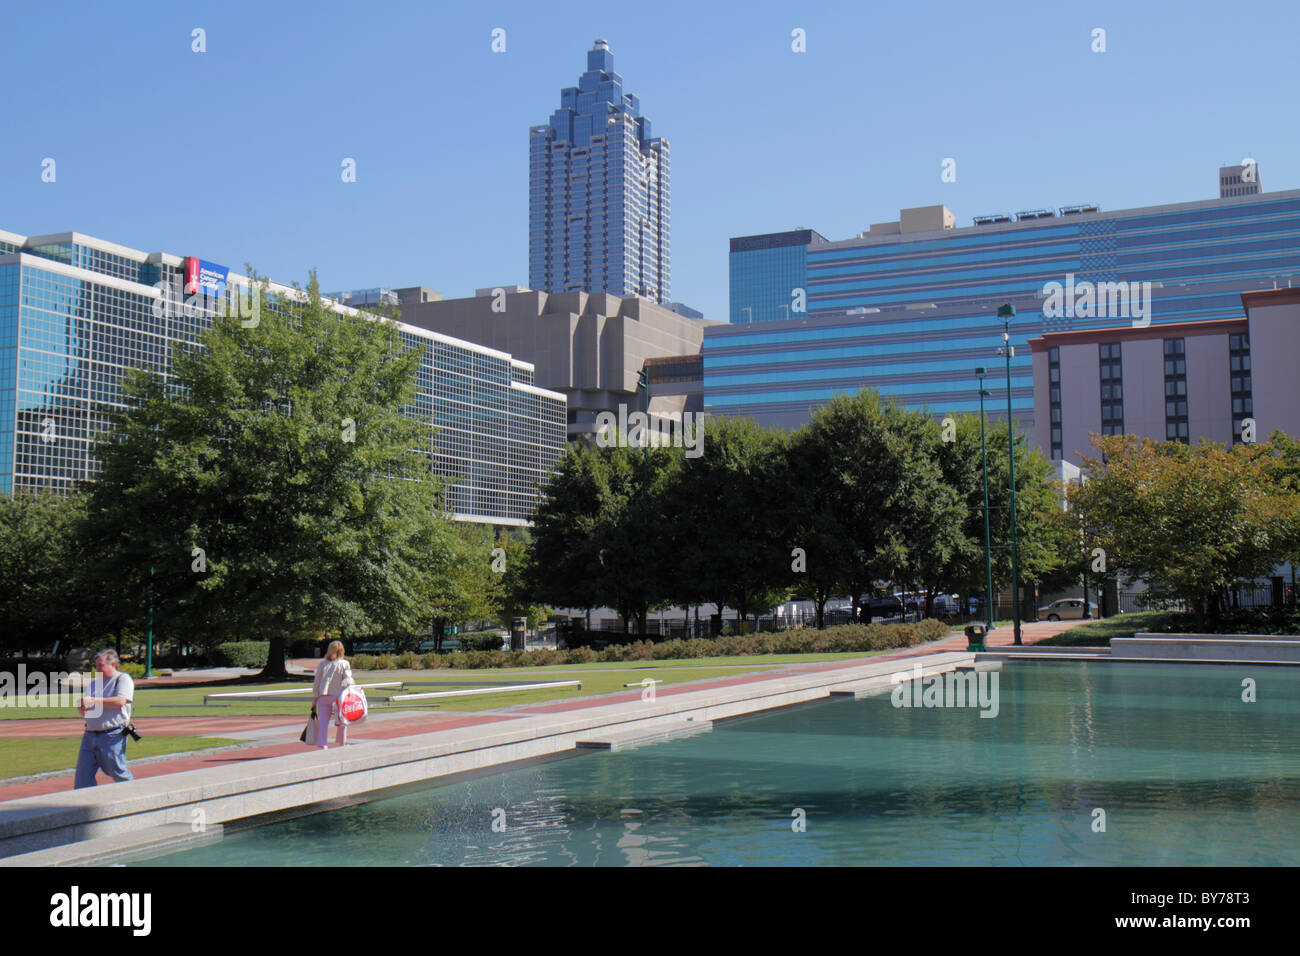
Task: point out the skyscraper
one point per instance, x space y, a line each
598 197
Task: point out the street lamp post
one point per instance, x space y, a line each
643 382
988 541
148 660
1005 313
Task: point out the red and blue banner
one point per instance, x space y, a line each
205 278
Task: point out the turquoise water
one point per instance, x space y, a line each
1185 771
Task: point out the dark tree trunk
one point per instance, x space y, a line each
275 669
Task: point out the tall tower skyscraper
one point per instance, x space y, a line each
598 196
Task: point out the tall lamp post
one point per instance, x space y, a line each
988 542
148 660
643 382
1005 313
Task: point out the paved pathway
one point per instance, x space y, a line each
401 725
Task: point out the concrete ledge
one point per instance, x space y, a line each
1229 648
884 683
654 732
273 784
136 845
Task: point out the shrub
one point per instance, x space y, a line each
431 661
384 662
580 655
364 662
241 654
131 669
480 641
409 661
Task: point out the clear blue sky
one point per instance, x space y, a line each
234 154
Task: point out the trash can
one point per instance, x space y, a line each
518 633
975 634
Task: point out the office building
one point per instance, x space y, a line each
77 312
598 192
909 307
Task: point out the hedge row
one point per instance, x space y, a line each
241 654
848 638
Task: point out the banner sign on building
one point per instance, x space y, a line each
205 278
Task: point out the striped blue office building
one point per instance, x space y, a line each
909 307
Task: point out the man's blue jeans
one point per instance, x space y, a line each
106 751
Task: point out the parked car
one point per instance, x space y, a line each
888 606
1067 609
839 615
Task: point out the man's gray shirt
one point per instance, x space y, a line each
119 685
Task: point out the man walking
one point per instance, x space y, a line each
107 710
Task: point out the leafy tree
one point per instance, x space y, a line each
735 511
42 589
1191 521
273 484
516 596
563 564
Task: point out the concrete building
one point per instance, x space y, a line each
76 312
909 307
599 192
587 347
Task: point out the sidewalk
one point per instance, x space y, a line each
406 725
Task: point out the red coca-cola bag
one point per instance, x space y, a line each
352 705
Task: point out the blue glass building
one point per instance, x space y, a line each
910 307
598 192
77 312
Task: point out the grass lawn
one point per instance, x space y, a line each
597 678
41 754
1099 633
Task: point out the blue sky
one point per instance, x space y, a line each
234 154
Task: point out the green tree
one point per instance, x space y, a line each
564 559
730 507
273 484
42 588
1190 521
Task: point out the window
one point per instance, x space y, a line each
1054 399
1112 405
1239 367
1176 422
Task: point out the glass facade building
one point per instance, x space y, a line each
766 272
913 313
599 192
76 313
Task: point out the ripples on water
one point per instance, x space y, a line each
1185 772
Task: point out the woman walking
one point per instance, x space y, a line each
332 675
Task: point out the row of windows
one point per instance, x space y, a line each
1111 367
1176 420
76 349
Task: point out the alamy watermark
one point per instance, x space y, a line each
1098 300
40 689
188 301
967 688
632 429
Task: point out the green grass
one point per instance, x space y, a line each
597 678
19 757
1099 633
